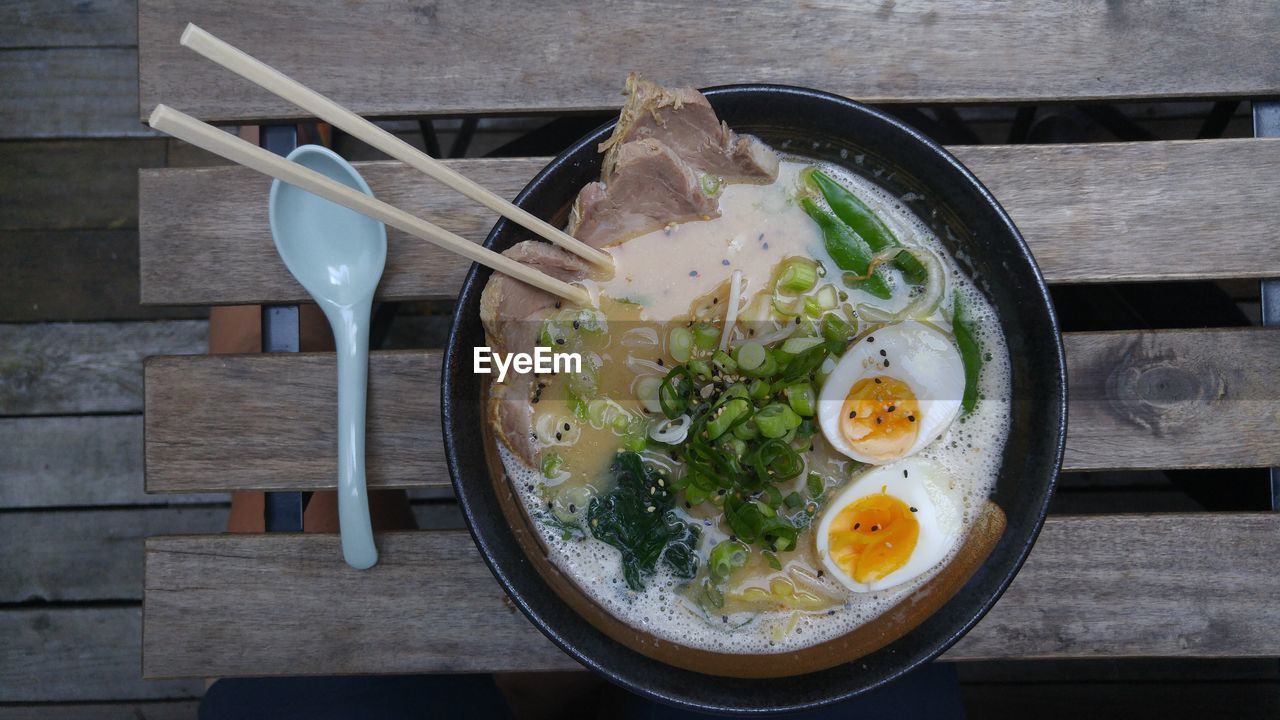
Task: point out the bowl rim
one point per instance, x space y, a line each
455 357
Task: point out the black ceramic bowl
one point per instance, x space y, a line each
960 210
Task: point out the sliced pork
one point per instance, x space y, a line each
513 314
684 121
651 187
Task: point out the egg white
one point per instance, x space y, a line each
921 484
919 355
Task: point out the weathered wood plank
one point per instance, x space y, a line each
1173 399
1077 596
218 411
72 368
85 23
70 93
1091 213
158 710
1200 398
570 57
77 461
61 275
78 654
88 555
73 184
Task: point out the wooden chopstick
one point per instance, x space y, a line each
200 134
267 77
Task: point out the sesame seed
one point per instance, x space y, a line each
877 381
911 418
578 326
557 436
557 304
879 420
693 273
559 341
566 425
904 473
766 246
871 338
883 353
820 573
572 508
651 509
875 528
715 301
853 414
891 409
724 262
857 525
886 363
914 510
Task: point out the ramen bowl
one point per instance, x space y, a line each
982 239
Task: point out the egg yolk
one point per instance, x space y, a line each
879 417
872 537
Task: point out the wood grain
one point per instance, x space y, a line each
73 184
267 421
1195 398
1173 399
1091 213
88 555
77 461
85 23
429 57
60 275
70 93
70 368
72 654
1079 595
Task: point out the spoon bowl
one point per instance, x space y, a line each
338 255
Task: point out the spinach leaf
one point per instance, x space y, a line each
636 517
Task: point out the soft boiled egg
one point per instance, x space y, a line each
894 392
890 526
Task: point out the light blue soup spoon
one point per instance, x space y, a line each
338 254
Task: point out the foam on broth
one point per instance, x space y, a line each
667 271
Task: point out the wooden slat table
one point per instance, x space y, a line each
1095 586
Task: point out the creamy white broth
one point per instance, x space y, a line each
653 271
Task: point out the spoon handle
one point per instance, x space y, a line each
351 338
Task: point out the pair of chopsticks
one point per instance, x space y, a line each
200 134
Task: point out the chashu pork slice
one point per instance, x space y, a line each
650 188
513 314
682 119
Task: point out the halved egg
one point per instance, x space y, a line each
890 526
894 392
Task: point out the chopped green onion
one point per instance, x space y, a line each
725 364
706 335
680 343
776 419
798 275
811 307
758 389
772 560
647 389
551 464
726 416
802 399
710 184
837 329
793 500
827 297
746 430
725 557
768 368
796 345
700 368
751 355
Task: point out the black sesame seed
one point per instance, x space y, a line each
724 262
911 418
577 326
820 573
566 425
557 436
766 246
875 528
891 409
572 508
733 538
877 381
878 421
693 273
914 510
559 341
886 363
660 363
870 338
797 321
857 525
724 618
557 304
883 353
715 301
904 473
853 414
760 238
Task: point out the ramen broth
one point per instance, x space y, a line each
679 276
